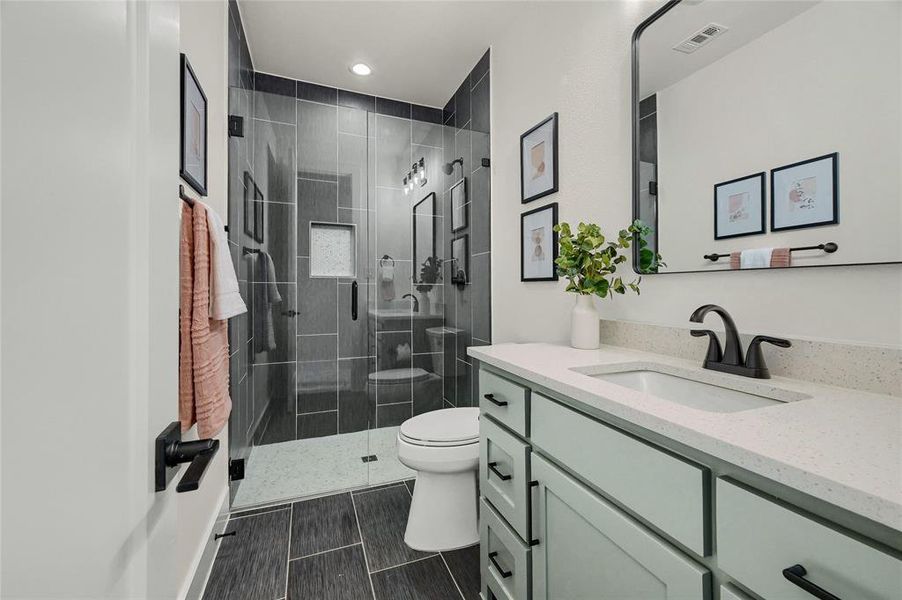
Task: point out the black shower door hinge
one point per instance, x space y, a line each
236 469
236 126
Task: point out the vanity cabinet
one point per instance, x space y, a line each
577 508
757 539
587 548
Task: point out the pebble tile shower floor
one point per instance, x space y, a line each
347 546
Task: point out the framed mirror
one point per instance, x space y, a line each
768 134
424 246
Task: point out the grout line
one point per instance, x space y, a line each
459 591
363 547
317 412
410 562
326 551
255 118
473 86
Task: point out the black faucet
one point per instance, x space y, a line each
416 303
730 360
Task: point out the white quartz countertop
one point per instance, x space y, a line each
840 445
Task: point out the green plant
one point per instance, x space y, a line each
430 273
589 262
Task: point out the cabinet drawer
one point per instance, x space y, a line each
669 492
504 400
504 474
757 539
504 559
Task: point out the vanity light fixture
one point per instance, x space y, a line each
361 69
416 175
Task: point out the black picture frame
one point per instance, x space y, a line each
763 199
460 259
249 187
460 187
553 118
259 215
419 260
553 207
189 78
834 157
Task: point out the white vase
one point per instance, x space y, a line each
584 323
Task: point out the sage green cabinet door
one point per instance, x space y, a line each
588 550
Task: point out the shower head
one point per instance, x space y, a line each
448 168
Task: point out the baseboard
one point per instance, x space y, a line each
204 564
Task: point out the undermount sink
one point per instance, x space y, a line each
686 387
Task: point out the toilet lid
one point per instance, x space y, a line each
445 427
393 376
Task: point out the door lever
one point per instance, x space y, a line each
354 301
170 451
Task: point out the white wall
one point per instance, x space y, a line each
809 87
574 58
203 37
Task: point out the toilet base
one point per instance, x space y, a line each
443 512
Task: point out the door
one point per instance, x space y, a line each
89 298
588 550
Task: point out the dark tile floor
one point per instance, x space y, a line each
346 546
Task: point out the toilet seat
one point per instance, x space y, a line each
447 427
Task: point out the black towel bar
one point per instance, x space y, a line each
829 248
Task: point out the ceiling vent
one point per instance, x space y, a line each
700 38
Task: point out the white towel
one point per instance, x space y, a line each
225 299
756 258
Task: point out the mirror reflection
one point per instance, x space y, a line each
769 134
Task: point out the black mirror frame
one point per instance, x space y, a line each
634 98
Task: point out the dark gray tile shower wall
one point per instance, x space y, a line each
468 307
326 155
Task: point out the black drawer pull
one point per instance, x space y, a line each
491 398
504 574
796 575
493 467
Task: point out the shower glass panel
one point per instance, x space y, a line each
332 356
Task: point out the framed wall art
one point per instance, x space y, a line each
538 161
538 244
193 118
739 207
805 194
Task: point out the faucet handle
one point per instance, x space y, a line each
755 357
715 354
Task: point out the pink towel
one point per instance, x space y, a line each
780 258
204 344
735 260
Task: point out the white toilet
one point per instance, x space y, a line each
442 446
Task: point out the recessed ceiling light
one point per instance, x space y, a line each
361 69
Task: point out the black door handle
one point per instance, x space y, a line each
491 398
354 301
493 467
796 575
290 313
504 574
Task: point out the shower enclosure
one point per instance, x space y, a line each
344 339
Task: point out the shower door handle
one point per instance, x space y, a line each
354 301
